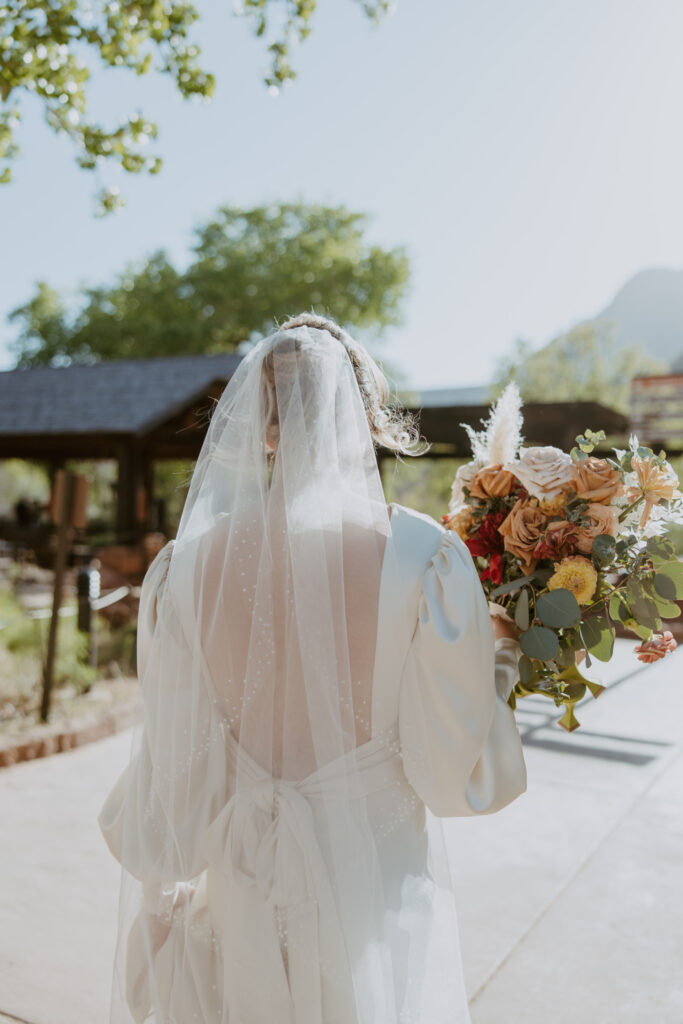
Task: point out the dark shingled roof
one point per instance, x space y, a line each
127 397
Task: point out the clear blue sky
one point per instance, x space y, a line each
528 154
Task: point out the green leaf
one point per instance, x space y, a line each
674 572
660 548
598 635
645 611
618 609
542 575
506 588
539 642
667 609
665 586
604 547
558 608
526 669
522 610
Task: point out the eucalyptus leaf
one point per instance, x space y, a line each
522 610
665 586
526 668
645 611
543 575
558 608
668 609
674 572
539 642
618 609
604 547
598 637
660 546
506 588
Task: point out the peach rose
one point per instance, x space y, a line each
491 482
521 531
597 481
544 471
601 519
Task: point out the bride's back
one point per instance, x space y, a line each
240 638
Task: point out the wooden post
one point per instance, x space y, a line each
63 499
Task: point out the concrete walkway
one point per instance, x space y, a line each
571 899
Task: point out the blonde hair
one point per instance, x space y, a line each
391 426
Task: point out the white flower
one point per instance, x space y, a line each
502 433
545 471
463 476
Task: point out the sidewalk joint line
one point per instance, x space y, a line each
562 888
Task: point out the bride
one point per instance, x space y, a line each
320 687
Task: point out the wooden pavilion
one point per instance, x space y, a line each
140 411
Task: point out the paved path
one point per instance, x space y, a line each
571 900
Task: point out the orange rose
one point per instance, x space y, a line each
491 482
521 531
597 481
601 519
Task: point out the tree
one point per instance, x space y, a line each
48 49
294 27
248 267
583 365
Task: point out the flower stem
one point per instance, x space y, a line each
630 507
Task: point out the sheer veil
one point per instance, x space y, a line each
252 876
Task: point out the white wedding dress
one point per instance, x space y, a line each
442 742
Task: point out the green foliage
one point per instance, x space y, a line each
294 27
26 639
539 642
249 267
421 483
19 479
583 365
558 608
597 635
47 50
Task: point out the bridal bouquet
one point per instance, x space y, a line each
568 545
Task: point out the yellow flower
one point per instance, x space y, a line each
459 521
551 506
577 574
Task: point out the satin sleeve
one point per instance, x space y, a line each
460 744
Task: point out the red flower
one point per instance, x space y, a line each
560 539
494 571
488 542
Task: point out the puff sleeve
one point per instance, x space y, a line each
461 748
